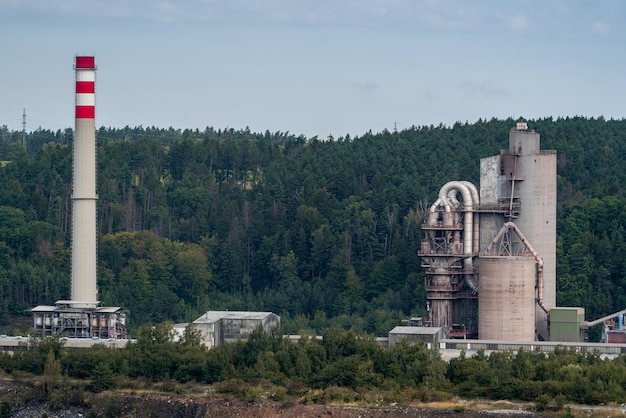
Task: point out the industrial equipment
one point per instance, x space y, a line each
480 274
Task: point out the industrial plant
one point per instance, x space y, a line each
490 255
83 316
488 252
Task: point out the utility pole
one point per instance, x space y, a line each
24 130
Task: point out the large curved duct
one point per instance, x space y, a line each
467 204
447 198
438 203
476 203
475 230
511 225
452 198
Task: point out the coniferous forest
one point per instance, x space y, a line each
321 231
324 232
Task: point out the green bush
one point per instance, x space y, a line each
314 397
169 385
342 395
542 402
560 401
6 409
235 387
297 388
279 394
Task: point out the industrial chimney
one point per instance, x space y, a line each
83 316
84 253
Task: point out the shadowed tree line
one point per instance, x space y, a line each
341 368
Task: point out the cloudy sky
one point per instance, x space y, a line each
312 67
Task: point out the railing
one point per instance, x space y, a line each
540 346
500 207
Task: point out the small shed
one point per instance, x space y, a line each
428 335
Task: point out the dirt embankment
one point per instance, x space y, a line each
166 406
23 402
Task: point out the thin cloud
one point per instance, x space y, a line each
452 16
518 22
428 15
600 28
485 89
366 86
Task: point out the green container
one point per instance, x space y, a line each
565 324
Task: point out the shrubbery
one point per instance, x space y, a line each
344 368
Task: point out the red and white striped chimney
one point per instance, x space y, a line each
85 87
84 251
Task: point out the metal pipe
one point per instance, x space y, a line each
513 183
469 279
467 203
452 198
438 203
447 199
589 324
475 205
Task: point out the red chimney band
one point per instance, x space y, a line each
85 112
85 63
85 87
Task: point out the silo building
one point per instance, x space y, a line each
496 249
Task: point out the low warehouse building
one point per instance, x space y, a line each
220 327
428 335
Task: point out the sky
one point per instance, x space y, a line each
312 67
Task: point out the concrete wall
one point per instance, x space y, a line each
506 305
492 192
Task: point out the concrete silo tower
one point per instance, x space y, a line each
521 184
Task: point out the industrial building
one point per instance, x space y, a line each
66 319
490 256
430 336
83 316
221 327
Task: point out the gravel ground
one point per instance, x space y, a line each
156 405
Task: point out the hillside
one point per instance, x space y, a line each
320 231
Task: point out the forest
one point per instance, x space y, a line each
322 231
